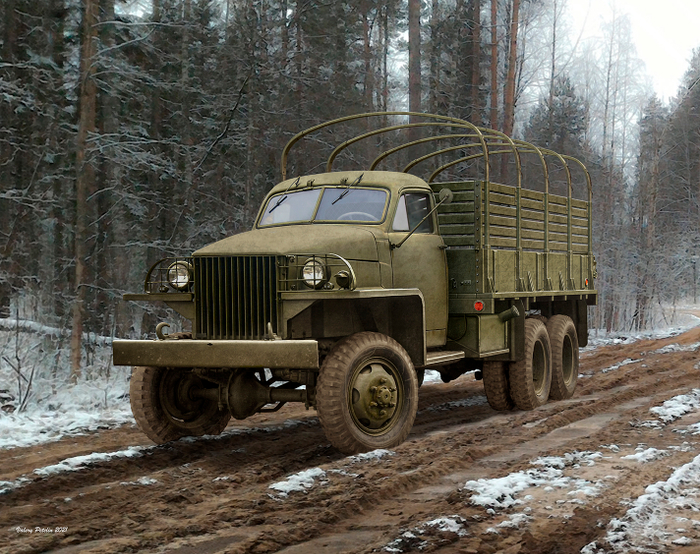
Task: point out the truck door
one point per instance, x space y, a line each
420 262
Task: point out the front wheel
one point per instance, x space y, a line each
367 393
166 409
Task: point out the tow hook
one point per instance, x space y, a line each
159 330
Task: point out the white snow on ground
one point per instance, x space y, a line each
623 363
645 455
503 492
685 320
677 348
432 376
7 486
647 523
305 480
419 537
645 526
81 462
141 481
677 406
75 463
38 427
297 482
370 456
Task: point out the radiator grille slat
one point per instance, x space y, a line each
235 297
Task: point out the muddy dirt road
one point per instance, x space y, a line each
569 476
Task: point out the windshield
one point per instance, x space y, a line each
336 204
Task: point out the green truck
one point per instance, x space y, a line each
352 283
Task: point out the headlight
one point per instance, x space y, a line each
180 275
314 273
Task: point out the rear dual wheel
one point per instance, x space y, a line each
495 377
530 378
564 341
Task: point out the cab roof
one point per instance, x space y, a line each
393 180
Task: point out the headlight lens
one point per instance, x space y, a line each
180 275
314 273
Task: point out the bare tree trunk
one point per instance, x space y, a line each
509 93
494 64
414 69
552 75
385 61
368 56
85 174
476 63
434 77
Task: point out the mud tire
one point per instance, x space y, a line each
157 403
495 378
564 341
349 380
530 378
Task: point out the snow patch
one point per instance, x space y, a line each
675 347
502 492
370 456
78 463
623 363
38 427
645 455
9 486
419 537
677 406
299 482
142 481
644 525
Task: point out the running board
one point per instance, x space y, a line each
443 357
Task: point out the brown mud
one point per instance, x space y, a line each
213 495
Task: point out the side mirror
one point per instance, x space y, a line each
445 196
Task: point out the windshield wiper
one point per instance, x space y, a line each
277 204
347 190
293 185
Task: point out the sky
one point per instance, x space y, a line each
664 31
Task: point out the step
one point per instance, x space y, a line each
443 357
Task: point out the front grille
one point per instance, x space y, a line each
235 297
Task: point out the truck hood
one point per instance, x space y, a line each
348 241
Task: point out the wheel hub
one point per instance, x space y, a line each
374 396
176 396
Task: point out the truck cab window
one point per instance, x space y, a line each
413 207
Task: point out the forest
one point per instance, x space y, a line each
131 131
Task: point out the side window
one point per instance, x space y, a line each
411 209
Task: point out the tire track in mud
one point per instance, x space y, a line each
215 492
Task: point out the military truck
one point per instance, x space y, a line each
353 282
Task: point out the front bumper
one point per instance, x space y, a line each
273 354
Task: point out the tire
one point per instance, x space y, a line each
164 410
564 341
420 377
495 378
530 379
367 393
